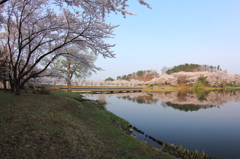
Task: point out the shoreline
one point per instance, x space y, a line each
184 88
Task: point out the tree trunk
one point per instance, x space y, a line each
69 77
17 89
5 85
69 86
11 84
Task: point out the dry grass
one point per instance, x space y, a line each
165 88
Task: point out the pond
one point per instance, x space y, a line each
203 121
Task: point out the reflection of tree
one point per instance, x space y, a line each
201 94
164 105
124 97
102 98
188 107
146 99
216 98
185 101
181 96
140 100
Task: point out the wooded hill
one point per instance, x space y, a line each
141 75
193 68
147 75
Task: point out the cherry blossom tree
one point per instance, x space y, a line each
164 79
4 71
80 67
101 82
102 6
237 79
216 78
34 33
3 1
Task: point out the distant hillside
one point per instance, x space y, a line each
141 75
193 68
147 75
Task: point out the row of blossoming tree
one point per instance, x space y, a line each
215 79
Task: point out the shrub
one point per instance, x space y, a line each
44 90
150 85
202 79
198 86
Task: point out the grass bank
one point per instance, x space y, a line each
168 88
63 125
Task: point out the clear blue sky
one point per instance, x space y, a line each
174 32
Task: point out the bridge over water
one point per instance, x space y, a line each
98 89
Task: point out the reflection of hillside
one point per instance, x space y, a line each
140 97
185 101
216 98
187 107
144 98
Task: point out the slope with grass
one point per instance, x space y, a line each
63 125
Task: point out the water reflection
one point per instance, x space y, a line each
140 98
183 101
207 121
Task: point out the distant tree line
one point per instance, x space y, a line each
214 79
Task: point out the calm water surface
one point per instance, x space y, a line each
208 122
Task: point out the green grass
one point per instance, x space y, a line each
63 125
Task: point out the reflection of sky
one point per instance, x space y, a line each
214 131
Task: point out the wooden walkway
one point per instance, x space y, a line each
100 89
